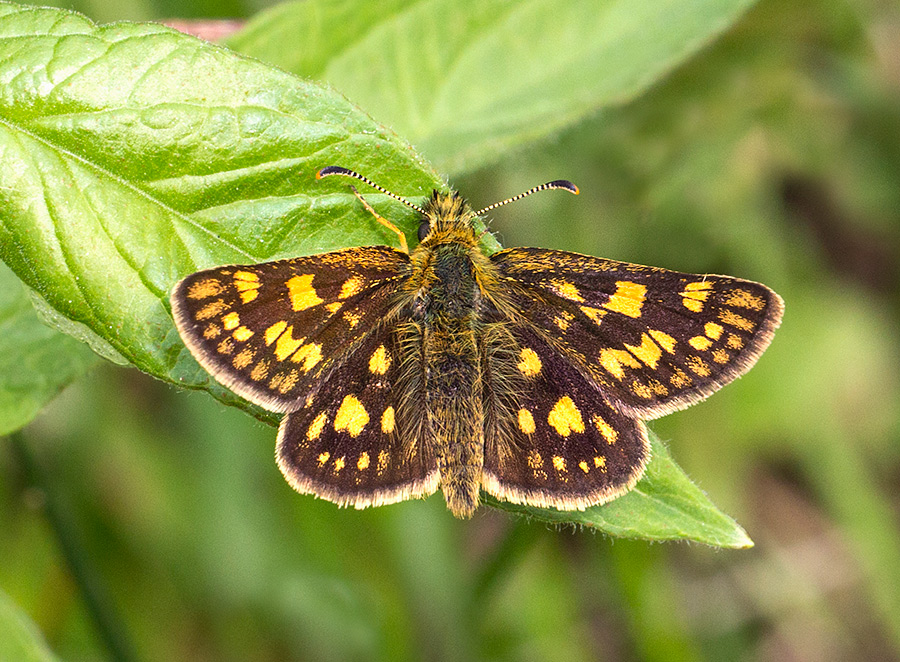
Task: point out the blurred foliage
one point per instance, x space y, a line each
773 154
35 361
482 77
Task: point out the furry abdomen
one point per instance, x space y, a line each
452 376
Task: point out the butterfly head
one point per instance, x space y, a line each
444 216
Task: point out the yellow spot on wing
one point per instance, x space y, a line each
247 284
559 463
583 466
720 356
388 421
260 370
203 289
565 417
243 359
272 333
628 299
535 461
351 416
605 429
383 457
289 381
566 290
613 361
530 363
697 365
735 320
380 361
287 344
526 421
641 390
352 318
594 314
339 464
212 331
700 343
713 330
363 462
211 309
680 378
317 425
333 307
231 321
309 354
734 342
351 287
302 293
665 341
242 334
694 294
648 351
744 299
600 462
323 458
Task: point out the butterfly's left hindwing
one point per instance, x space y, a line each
654 340
346 442
270 331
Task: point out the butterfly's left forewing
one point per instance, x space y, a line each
270 331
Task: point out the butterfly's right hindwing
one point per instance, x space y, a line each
562 445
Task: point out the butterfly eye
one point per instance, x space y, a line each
424 229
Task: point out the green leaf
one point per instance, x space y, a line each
467 80
124 170
664 505
20 639
36 362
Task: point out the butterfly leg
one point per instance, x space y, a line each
381 219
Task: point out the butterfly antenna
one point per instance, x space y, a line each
338 170
558 183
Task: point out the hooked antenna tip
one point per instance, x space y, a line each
334 170
564 184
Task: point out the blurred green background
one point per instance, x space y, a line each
774 155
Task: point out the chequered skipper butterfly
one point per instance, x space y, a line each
527 373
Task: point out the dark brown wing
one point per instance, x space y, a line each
654 340
270 331
346 443
565 446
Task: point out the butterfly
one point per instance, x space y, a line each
527 374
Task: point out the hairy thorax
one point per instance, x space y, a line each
447 305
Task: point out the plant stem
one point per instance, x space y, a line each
110 627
